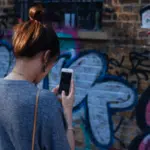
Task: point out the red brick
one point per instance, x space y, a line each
132 8
128 17
143 34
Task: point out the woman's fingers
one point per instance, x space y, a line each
72 88
60 99
55 90
63 95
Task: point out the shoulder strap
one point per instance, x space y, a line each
35 119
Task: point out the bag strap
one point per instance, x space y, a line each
35 119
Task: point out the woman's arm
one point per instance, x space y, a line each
70 131
67 103
59 139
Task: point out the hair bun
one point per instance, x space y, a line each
36 13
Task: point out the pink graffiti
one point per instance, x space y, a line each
145 144
74 34
148 114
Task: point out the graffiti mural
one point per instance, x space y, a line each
97 96
92 72
125 121
6 57
70 34
132 66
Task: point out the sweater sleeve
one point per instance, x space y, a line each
58 137
53 128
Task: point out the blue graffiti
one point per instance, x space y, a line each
6 57
98 95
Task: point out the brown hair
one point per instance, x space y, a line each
34 36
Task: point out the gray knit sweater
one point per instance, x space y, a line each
17 101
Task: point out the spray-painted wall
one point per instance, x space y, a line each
131 64
102 101
98 95
91 69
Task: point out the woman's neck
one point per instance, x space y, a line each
15 75
24 71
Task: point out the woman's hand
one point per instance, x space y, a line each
67 101
55 90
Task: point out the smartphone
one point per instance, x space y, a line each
65 81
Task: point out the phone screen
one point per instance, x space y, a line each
65 82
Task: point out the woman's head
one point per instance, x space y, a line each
35 39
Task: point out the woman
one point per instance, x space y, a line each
36 48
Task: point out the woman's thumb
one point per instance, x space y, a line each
63 94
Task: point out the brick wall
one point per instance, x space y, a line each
125 33
125 38
125 22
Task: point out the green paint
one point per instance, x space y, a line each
86 138
147 20
66 45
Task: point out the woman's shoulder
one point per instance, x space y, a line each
49 106
48 99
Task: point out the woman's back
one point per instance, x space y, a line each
17 102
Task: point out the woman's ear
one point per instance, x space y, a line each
46 57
